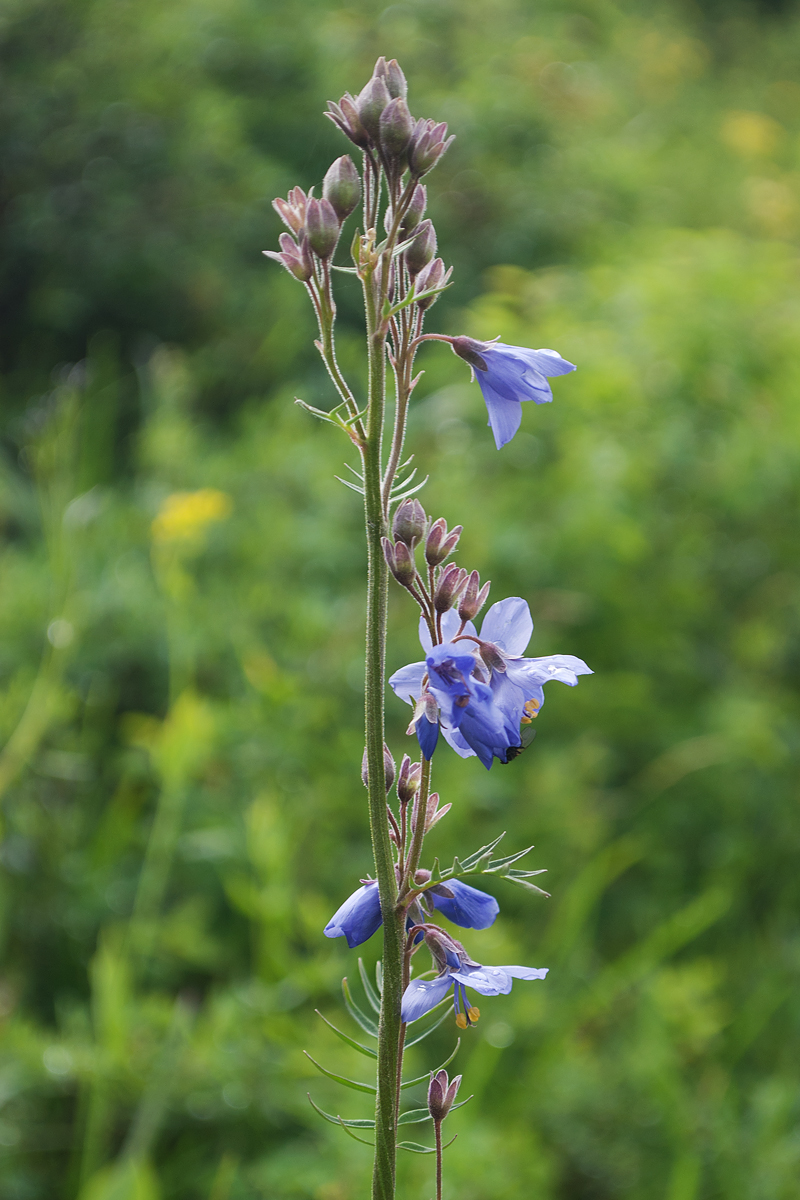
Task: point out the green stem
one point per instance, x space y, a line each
437 1125
383 1184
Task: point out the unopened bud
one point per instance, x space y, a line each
422 249
342 186
345 116
449 587
408 780
428 143
322 227
430 277
371 102
473 598
396 126
409 523
400 562
388 768
439 543
392 76
295 257
468 349
292 211
441 1094
415 211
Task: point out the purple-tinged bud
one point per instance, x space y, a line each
292 211
342 187
409 523
294 257
396 127
345 116
322 227
474 598
371 102
429 141
468 349
415 211
492 657
440 544
430 277
392 76
449 587
388 768
422 249
408 780
400 562
441 1094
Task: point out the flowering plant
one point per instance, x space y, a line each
478 690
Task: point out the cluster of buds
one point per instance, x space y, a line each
447 584
378 121
316 224
408 780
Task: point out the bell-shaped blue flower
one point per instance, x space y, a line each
509 375
460 973
360 915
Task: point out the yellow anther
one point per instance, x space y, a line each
461 1021
474 1015
532 709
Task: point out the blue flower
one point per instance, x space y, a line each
508 375
461 972
360 915
481 688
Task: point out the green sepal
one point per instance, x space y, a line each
351 1083
369 991
360 1018
358 1123
345 1038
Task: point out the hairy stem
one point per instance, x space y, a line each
437 1126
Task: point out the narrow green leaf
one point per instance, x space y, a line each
369 991
344 1037
497 863
529 887
411 491
355 1138
345 270
420 1078
421 1036
415 1147
360 1018
379 976
414 1116
436 873
472 859
353 486
351 1083
366 1123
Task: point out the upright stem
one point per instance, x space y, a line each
383 1183
437 1126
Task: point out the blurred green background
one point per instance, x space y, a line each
181 702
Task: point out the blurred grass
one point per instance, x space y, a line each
181 702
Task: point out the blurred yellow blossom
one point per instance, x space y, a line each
751 134
185 515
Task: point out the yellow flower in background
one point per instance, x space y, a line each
184 516
751 134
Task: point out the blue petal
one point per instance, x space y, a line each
427 736
509 625
455 739
451 623
549 362
526 972
486 728
505 415
489 981
407 682
358 917
467 907
422 995
528 672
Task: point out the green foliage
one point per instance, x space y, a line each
181 703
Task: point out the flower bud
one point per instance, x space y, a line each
388 768
400 562
396 127
432 276
322 227
449 587
392 76
415 211
441 1094
439 543
468 349
371 102
473 598
409 523
292 211
408 780
422 248
294 257
342 186
345 116
428 143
